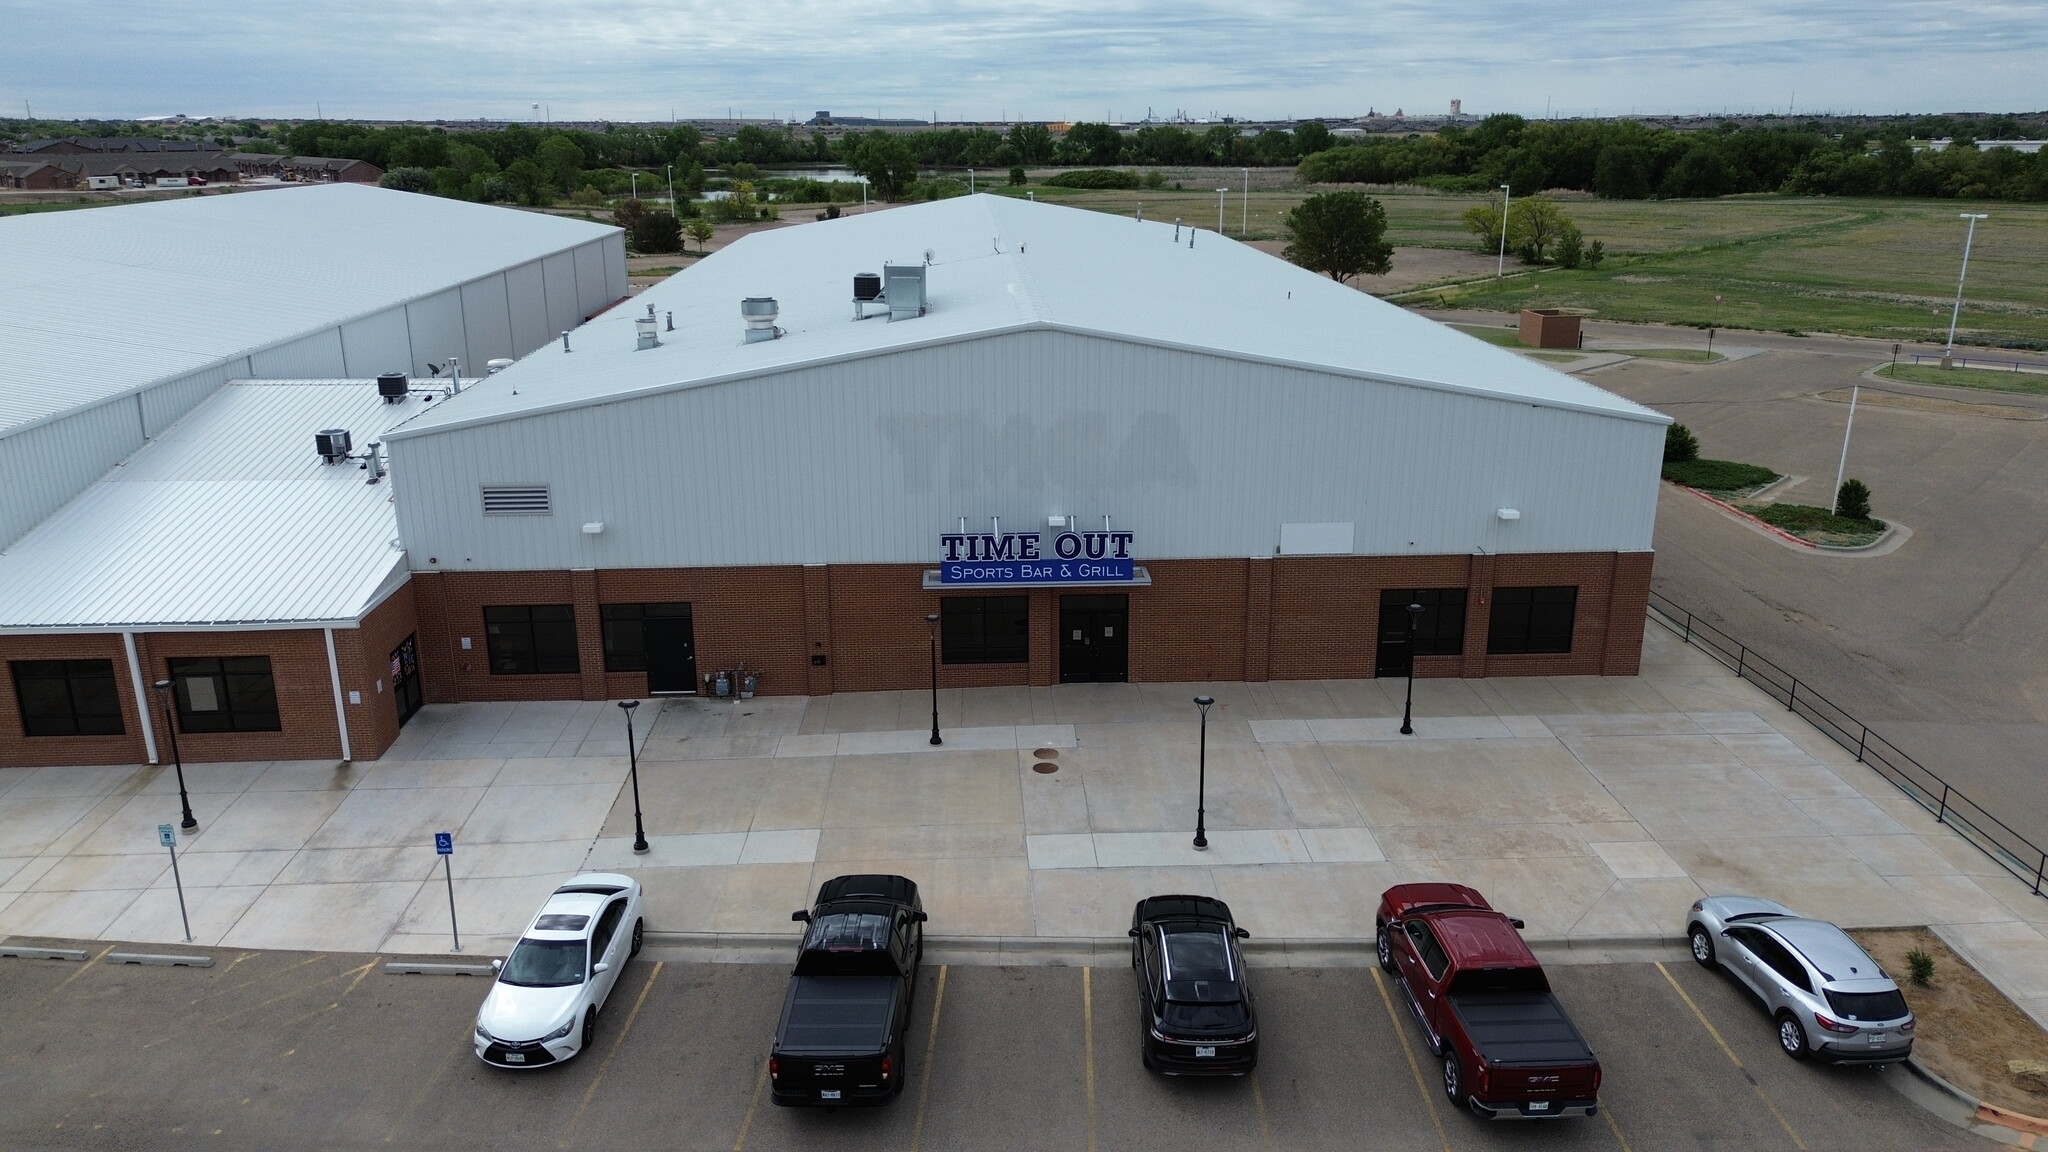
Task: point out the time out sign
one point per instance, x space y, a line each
1020 558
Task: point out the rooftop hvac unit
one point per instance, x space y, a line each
903 287
392 386
867 286
332 444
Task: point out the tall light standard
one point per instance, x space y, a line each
970 181
1408 706
635 178
1202 778
163 693
1971 235
1222 194
1244 218
931 630
671 188
633 758
1500 267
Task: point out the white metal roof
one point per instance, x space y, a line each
229 518
99 302
997 265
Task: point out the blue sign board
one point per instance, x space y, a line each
1017 558
165 836
1038 572
444 843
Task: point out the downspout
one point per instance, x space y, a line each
142 700
340 712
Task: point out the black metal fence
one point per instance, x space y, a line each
2014 852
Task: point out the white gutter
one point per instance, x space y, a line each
334 679
142 699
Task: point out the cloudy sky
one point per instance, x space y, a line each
991 59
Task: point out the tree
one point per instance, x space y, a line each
1033 142
1680 445
886 160
1339 233
700 230
1017 177
1534 224
528 183
562 160
408 180
1096 144
629 213
1312 137
1483 221
1853 501
657 231
1571 246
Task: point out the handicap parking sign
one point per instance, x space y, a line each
166 836
444 842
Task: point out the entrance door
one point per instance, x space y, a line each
1395 653
671 654
1095 643
405 679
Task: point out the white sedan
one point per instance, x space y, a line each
543 1007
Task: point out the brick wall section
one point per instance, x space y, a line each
364 656
1628 613
1189 625
755 615
19 751
818 629
437 651
879 637
305 693
1258 619
1478 606
1593 572
589 634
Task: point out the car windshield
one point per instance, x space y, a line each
544 964
1867 1005
1198 967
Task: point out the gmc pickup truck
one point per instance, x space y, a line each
841 1037
1485 1007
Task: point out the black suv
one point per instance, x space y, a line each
1194 1003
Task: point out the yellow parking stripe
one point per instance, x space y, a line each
1415 1069
1608 1114
1088 1045
747 1121
931 1051
1732 1057
82 970
617 1041
1259 1106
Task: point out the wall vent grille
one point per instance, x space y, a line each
517 500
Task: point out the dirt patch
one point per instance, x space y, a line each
1937 404
1967 1029
1413 267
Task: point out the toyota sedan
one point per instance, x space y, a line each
543 1007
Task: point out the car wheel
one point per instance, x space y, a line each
1454 1080
1702 946
1384 947
1792 1037
589 1029
639 932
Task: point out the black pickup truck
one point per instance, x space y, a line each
841 1039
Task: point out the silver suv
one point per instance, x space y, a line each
1831 1001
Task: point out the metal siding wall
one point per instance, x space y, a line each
526 298
436 325
487 318
593 291
315 357
559 272
163 404
377 344
614 266
870 460
43 467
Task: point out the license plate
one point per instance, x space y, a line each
515 1057
1539 1106
1206 1050
1879 1038
828 1094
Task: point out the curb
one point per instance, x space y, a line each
1948 1103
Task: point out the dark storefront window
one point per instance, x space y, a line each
1532 620
225 694
531 639
1441 631
625 636
985 629
67 698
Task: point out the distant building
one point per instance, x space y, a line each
84 145
2029 146
36 175
212 167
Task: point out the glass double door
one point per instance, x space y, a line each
405 679
1095 642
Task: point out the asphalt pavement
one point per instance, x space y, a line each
272 1050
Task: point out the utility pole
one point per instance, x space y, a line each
1500 268
1949 352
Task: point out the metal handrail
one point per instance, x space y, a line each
1992 836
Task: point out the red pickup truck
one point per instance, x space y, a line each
1485 1007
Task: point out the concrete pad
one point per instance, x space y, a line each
31 824
1060 850
494 906
582 768
1898 855
388 817
1342 845
1850 817
1031 736
476 861
1176 849
28 872
1622 724
1097 902
1314 795
227 869
1610 831
1282 732
228 777
271 820
2014 956
1315 901
1053 802
1814 876
693 850
304 916
89 780
917 842
963 896
682 900
1646 907
1637 860
955 788
1949 899
824 744
760 897
539 813
132 826
430 773
413 862
307 776
780 846
86 873
8 869
153 916
1730 723
1485 842
1551 893
66 915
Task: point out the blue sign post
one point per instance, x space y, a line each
168 837
444 846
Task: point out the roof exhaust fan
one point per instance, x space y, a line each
760 313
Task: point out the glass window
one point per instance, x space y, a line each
1431 952
225 694
1532 620
67 698
985 629
544 964
1868 1005
625 645
1440 632
531 639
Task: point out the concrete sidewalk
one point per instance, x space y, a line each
1596 809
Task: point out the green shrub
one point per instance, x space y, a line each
1718 475
1680 444
1595 252
1805 518
1154 180
1919 967
1017 177
1094 178
1853 501
657 231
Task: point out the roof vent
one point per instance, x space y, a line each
332 444
903 288
648 330
493 367
517 500
392 387
760 313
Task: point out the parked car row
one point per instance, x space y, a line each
1485 1008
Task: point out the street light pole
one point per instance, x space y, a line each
931 630
671 188
163 692
633 758
1244 218
1222 194
1202 778
970 181
1408 706
1956 313
635 178
1500 267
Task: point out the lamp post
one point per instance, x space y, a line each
1500 267
671 188
1202 778
163 693
633 758
1222 194
970 181
1408 706
634 177
1244 218
1972 217
931 632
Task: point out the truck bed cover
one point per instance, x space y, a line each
832 1015
1521 1028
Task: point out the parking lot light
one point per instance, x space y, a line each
633 758
931 629
1408 706
163 692
1956 313
1202 778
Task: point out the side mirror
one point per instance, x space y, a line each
1517 923
1134 933
800 916
600 966
919 916
1243 935
497 965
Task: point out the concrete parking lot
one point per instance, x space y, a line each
274 1050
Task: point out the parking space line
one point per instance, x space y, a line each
1612 1126
1732 1057
1259 1106
361 974
315 959
1088 1046
590 1093
358 973
931 1051
82 970
747 1121
467 1045
1414 1069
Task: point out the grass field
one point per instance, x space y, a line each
1870 267
1505 337
2035 383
